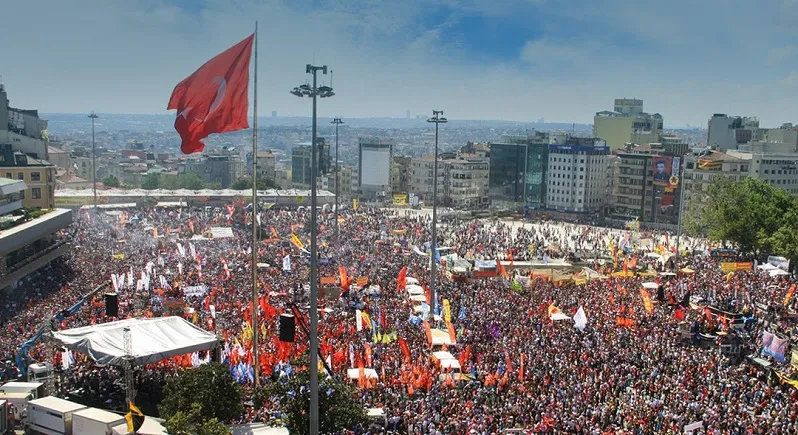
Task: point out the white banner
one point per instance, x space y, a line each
287 263
195 290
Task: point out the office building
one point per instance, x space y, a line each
577 174
401 174
773 163
223 166
28 241
729 132
301 168
462 180
703 169
22 129
627 123
517 174
266 166
375 163
39 176
648 183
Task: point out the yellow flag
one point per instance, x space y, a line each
447 311
295 240
354 204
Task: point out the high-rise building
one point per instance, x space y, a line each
729 132
375 161
400 174
627 123
577 174
222 166
300 162
22 129
462 180
266 166
648 183
518 168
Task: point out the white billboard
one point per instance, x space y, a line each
375 167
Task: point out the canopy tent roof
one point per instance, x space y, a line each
152 340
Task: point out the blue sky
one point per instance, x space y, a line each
475 59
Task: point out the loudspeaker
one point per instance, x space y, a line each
111 305
287 328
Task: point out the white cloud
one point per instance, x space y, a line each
122 56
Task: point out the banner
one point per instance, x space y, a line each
400 199
329 280
195 290
735 266
662 170
774 346
119 256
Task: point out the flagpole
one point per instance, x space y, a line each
255 323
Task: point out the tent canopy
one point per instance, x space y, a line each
152 340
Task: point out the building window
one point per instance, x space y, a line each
20 176
36 193
8 175
35 176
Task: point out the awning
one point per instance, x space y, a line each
152 340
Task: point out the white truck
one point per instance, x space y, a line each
93 421
35 388
51 415
18 404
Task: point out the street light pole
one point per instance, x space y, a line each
93 116
321 92
438 119
337 122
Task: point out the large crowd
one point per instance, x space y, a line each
521 369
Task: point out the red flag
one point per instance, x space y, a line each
401 280
404 348
214 99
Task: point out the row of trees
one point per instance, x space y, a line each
751 215
200 400
189 181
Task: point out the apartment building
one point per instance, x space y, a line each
577 174
627 123
38 175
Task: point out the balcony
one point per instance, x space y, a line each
33 263
28 232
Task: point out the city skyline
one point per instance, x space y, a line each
507 60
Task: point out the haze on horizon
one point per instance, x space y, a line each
516 60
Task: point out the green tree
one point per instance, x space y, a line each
747 213
191 423
210 387
242 183
190 181
111 181
338 408
150 182
785 240
168 181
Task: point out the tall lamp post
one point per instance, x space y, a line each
437 118
337 122
313 92
93 116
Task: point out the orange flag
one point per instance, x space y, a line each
345 281
452 334
647 301
789 295
401 280
428 331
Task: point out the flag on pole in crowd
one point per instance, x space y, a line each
580 320
296 241
789 295
649 306
401 280
287 263
359 320
214 99
134 418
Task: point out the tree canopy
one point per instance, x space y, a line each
202 394
244 183
753 215
111 181
338 408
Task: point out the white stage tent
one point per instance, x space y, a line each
152 340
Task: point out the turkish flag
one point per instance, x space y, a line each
215 98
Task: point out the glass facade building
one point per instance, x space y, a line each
518 174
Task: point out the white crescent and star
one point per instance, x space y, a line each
221 82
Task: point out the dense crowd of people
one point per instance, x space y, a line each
627 371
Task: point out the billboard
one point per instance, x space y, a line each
666 171
399 199
375 166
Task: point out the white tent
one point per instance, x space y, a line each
410 280
414 289
441 337
650 285
418 298
442 355
152 340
